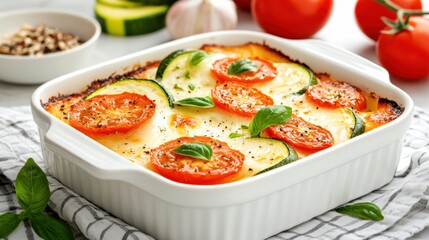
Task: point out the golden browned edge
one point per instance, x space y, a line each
60 105
96 84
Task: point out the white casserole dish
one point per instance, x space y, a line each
254 208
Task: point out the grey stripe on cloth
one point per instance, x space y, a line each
404 200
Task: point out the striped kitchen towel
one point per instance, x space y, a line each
19 140
404 200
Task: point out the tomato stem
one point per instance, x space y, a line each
406 12
403 17
407 19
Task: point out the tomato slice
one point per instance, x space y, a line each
335 94
107 114
240 99
302 135
225 161
265 72
386 111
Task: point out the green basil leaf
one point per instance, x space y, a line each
201 102
49 227
32 187
241 66
267 117
244 127
195 150
364 210
196 57
235 135
8 223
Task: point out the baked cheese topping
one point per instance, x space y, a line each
325 112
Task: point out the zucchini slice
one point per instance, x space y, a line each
310 76
263 154
130 21
154 2
167 63
153 89
293 78
134 3
184 79
120 3
293 156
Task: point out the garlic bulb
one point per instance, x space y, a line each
188 17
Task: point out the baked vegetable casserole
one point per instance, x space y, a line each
220 113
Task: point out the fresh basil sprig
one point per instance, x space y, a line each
241 66
195 150
201 102
196 57
363 210
32 192
267 117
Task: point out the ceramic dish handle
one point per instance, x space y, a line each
64 141
352 59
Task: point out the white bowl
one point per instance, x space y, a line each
39 69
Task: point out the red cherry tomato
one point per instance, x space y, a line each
291 18
266 71
406 54
225 161
240 99
107 114
368 15
302 134
243 4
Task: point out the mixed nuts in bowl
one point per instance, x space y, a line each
36 40
37 45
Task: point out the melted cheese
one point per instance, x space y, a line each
183 81
217 123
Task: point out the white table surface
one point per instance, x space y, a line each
341 30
